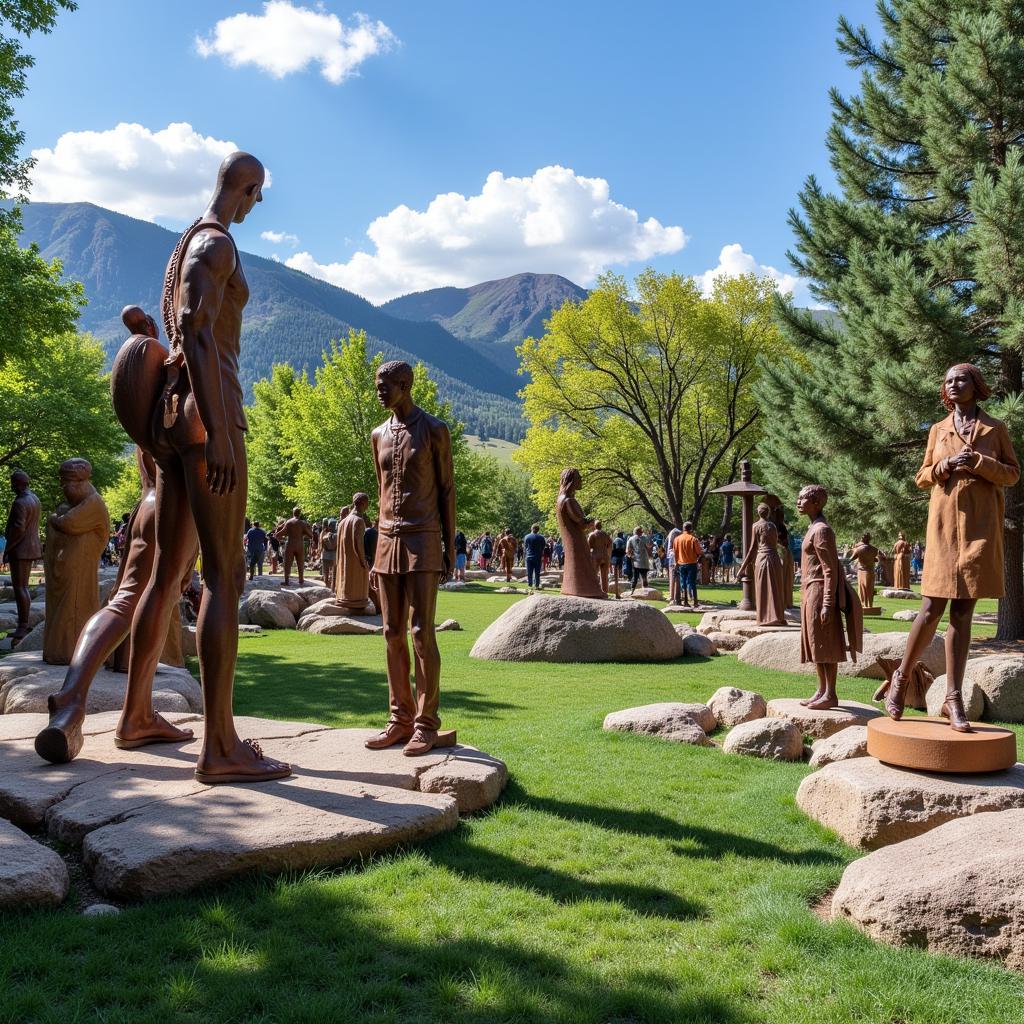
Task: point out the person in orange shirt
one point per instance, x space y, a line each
688 551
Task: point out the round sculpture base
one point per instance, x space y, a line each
930 745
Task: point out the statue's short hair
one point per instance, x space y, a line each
358 497
397 370
981 389
76 469
815 492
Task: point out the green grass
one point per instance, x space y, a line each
620 879
495 446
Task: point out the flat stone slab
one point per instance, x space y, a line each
820 724
31 875
682 723
955 890
342 625
26 681
871 805
147 827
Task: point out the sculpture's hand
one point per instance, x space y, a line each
221 474
825 616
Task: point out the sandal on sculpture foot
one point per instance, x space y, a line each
258 769
953 709
894 696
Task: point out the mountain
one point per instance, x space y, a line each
492 317
290 316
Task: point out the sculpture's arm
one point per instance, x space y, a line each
824 541
87 515
932 472
359 545
17 521
207 267
1003 470
445 474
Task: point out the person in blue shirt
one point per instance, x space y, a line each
533 545
255 548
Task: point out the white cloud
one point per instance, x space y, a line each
164 174
286 38
277 237
554 221
733 261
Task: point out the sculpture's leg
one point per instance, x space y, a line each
921 634
827 698
20 569
958 643
174 546
394 599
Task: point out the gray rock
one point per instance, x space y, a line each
449 626
732 706
310 595
341 625
474 780
683 723
820 724
269 609
726 643
33 640
840 746
578 629
1001 680
698 645
904 595
870 804
31 875
973 695
905 615
645 594
774 739
101 910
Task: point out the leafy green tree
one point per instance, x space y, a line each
55 404
123 494
511 501
922 256
271 468
649 394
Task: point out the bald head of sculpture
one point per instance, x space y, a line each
239 186
138 321
19 481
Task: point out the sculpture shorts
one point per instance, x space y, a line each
409 552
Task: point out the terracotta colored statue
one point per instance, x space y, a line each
778 517
506 551
23 547
188 414
600 544
354 570
579 577
866 557
412 454
329 551
901 563
294 532
763 559
105 633
967 463
825 597
76 535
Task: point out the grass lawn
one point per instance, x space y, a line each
620 879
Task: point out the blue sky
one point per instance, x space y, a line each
704 119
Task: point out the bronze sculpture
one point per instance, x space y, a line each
195 430
579 578
600 544
295 532
763 558
23 547
412 456
506 552
778 517
825 597
901 563
329 552
967 463
865 554
76 535
353 589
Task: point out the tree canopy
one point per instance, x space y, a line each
648 393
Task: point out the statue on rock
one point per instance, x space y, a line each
600 544
295 531
187 413
825 599
412 455
968 461
23 547
329 552
353 588
579 578
76 535
865 554
778 517
763 559
901 563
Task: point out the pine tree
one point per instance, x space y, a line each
921 255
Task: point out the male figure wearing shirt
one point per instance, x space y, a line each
688 551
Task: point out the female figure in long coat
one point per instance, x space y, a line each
579 578
901 563
968 462
769 602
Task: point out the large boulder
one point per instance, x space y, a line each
1001 680
974 697
310 595
732 706
840 746
684 723
578 629
31 875
819 724
774 739
870 804
955 890
781 652
269 609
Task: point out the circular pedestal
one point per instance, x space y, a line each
930 745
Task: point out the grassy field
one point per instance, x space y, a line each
620 880
499 449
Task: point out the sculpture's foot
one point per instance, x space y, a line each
246 763
424 740
392 734
62 738
143 732
817 695
894 696
881 691
953 709
823 703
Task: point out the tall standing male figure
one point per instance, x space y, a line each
412 454
197 437
23 547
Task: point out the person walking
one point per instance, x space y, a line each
256 548
688 552
639 551
533 546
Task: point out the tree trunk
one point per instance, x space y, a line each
1011 607
723 526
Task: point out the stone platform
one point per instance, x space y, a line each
147 828
930 745
822 724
